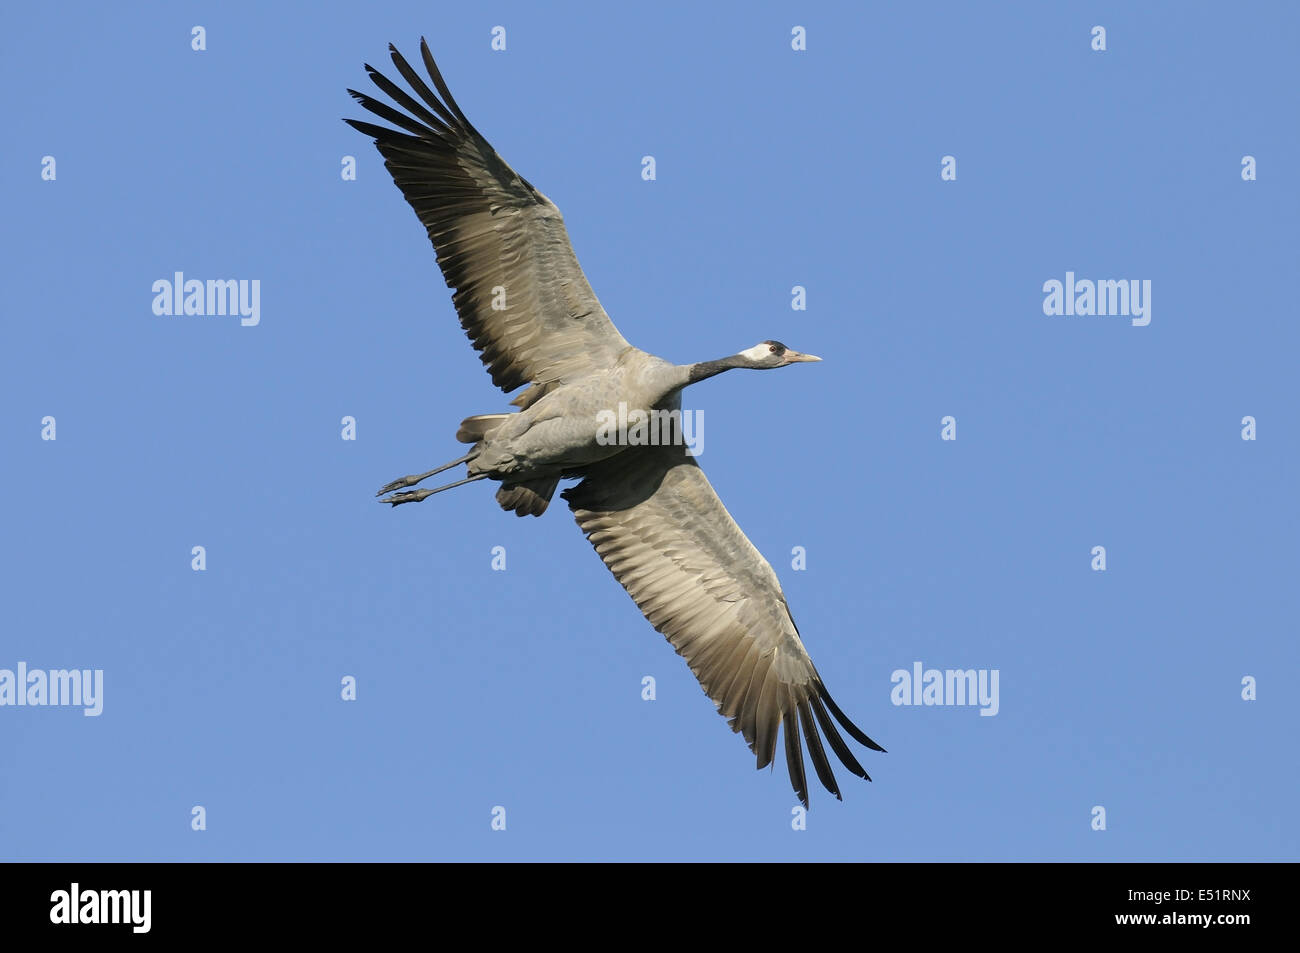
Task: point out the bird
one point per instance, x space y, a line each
645 505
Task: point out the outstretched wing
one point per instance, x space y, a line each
499 240
662 531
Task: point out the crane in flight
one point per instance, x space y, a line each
648 509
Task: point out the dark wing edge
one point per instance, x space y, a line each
662 531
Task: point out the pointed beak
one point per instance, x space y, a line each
794 357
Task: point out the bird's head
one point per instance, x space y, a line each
767 354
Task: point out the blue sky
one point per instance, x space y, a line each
775 168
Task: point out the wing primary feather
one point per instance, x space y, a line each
817 752
404 98
441 86
421 88
413 126
794 753
843 719
837 743
380 133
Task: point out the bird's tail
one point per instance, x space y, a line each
473 429
527 498
530 498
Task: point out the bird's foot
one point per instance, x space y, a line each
397 499
415 478
398 484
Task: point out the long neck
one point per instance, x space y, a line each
707 369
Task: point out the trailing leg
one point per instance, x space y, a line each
415 496
420 477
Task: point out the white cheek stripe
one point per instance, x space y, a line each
757 352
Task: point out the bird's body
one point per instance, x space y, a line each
648 509
559 434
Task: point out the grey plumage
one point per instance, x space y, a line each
649 511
